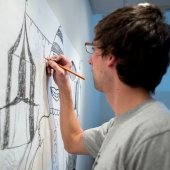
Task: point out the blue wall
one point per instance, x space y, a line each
163 90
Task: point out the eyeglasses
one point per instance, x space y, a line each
89 47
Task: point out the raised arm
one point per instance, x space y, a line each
72 133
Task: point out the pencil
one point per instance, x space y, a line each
67 69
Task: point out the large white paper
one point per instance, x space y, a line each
30 137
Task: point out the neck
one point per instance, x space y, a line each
125 98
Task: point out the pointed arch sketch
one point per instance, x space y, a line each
20 61
21 95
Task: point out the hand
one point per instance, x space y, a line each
60 75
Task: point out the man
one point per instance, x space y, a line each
130 56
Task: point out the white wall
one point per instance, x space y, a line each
76 19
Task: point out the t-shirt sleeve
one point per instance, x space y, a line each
93 138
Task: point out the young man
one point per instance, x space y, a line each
130 56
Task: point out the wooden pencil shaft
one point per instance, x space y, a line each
76 74
67 69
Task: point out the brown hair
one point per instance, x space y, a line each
140 40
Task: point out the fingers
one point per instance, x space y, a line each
48 69
54 65
61 59
55 69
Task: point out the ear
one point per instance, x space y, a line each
111 60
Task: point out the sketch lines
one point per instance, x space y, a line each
21 92
20 118
30 136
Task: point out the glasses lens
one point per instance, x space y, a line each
89 48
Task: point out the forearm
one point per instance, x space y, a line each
70 126
72 134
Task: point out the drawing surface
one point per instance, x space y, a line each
30 137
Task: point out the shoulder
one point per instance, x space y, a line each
152 153
147 137
154 119
151 125
146 123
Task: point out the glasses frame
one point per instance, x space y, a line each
88 44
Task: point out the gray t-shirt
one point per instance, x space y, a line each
137 140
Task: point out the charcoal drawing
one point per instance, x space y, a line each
30 136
